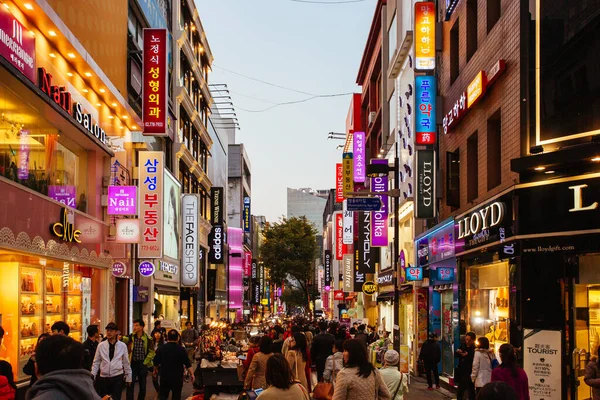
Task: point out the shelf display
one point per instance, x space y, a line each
30 300
54 300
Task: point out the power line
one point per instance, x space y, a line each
293 102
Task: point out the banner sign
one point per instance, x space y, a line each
348 264
425 196
339 183
216 239
379 219
348 164
358 154
247 262
128 231
216 197
425 20
338 295
339 235
17 45
542 362
23 171
246 215
122 200
155 73
189 259
66 195
348 216
327 268
425 129
151 172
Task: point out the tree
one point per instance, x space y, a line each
290 249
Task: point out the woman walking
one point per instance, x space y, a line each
482 364
511 373
281 382
592 377
255 378
359 380
297 357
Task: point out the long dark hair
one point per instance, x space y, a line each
279 373
301 345
483 343
509 359
357 357
266 345
6 370
497 391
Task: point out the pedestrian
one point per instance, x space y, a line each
280 381
297 358
58 365
373 335
431 355
255 378
8 388
592 376
157 341
362 335
90 345
141 355
190 337
396 381
511 373
252 350
483 364
359 380
354 329
342 334
286 342
111 367
29 368
334 362
465 355
173 360
322 347
60 328
277 339
158 327
497 391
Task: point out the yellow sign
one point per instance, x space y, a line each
369 288
476 89
264 302
425 35
348 166
65 230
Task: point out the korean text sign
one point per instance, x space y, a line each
246 214
359 156
425 129
151 172
339 183
425 36
379 219
17 45
155 74
348 177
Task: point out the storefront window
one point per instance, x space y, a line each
166 308
487 302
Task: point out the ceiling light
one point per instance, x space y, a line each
88 74
135 127
122 127
98 105
32 33
596 159
71 55
52 55
125 117
102 90
110 117
28 6
539 168
114 104
85 90
52 33
549 172
6 6
69 74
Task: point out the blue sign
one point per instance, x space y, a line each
425 129
414 274
246 214
445 274
146 268
363 204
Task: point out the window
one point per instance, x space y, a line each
393 37
472 167
494 150
453 179
454 40
493 13
471 28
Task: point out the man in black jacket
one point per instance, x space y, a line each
171 358
90 345
322 347
465 354
431 355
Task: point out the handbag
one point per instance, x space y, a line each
493 361
324 390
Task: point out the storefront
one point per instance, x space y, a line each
385 300
167 301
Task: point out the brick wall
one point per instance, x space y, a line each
502 42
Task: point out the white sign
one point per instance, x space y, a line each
348 236
128 231
482 219
348 272
189 260
542 363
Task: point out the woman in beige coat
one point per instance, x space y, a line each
297 357
281 382
255 379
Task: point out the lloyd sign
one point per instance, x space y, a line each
425 196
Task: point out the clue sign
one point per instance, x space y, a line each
425 196
425 129
155 72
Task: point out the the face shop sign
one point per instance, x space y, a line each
480 221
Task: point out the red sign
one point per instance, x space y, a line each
339 183
338 295
247 262
339 236
155 74
425 35
17 44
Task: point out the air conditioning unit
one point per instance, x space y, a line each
372 116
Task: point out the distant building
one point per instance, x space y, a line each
307 202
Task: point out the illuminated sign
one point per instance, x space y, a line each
128 231
327 269
154 75
414 274
379 219
425 199
17 45
216 195
425 36
445 274
339 236
189 214
146 268
122 200
425 129
339 183
369 288
450 6
358 154
482 219
246 215
476 89
119 269
65 229
348 164
151 173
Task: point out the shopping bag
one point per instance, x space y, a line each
323 391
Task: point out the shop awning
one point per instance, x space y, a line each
387 296
172 291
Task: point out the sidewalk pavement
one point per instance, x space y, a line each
417 389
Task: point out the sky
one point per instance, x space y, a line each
312 48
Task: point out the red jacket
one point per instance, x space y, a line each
251 352
520 384
6 391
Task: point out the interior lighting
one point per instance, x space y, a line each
539 168
71 55
85 90
69 74
134 127
110 117
52 33
125 117
6 6
596 159
28 6
98 105
102 90
52 55
549 172
88 74
114 104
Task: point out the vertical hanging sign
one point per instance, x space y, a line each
189 259
425 36
339 236
425 129
339 183
151 172
348 173
348 263
246 214
216 197
358 145
155 72
379 219
348 225
425 196
327 275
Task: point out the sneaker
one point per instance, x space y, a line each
429 388
437 386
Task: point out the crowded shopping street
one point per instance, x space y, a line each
299 199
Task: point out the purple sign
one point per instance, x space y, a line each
63 194
146 268
118 268
17 45
23 172
379 219
122 200
359 156
402 259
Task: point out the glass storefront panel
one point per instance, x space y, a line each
166 308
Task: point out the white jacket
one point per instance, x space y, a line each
110 368
329 373
482 367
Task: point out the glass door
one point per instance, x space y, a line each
447 339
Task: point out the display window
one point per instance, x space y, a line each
487 302
37 292
166 308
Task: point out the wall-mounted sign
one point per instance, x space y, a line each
484 218
189 258
348 270
542 362
445 274
402 259
216 239
425 197
23 171
171 215
247 262
66 195
246 214
385 278
348 218
379 219
425 20
17 44
65 229
348 165
425 110
91 231
437 244
369 288
339 183
155 73
146 268
119 269
122 200
168 268
211 284
151 173
414 274
339 235
128 231
338 295
216 196
358 155
476 89
327 268
140 294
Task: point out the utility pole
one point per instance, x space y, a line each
395 260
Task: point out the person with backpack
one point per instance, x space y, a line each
396 381
484 362
141 356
